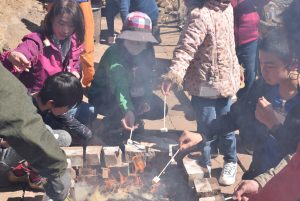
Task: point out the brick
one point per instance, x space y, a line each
219 197
111 156
93 154
117 171
75 154
207 187
134 150
193 169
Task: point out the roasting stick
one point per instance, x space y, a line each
164 129
157 179
129 141
229 198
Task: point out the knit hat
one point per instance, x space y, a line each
137 27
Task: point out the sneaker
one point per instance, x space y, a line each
227 177
19 173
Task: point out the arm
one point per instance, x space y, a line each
124 9
25 131
190 39
287 134
119 79
263 179
74 127
26 53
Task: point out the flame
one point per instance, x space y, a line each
139 164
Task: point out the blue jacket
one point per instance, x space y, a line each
284 139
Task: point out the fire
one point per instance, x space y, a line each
139 164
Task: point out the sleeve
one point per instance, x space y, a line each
287 134
24 129
190 39
74 127
119 79
264 178
30 47
124 9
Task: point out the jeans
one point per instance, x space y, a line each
113 7
206 111
248 57
85 113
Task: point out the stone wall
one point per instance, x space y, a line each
171 11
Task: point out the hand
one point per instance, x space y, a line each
189 139
245 190
19 61
166 87
143 108
265 113
128 120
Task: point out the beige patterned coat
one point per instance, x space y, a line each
205 61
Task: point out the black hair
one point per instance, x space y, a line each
70 7
290 19
275 41
63 88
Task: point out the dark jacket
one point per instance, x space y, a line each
242 117
24 129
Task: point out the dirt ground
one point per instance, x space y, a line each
18 17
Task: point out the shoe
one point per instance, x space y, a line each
227 177
19 173
35 181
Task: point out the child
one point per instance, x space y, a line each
55 49
122 86
270 113
205 61
25 132
60 92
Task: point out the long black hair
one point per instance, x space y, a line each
70 7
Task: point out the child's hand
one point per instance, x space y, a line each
76 74
128 120
19 61
166 87
143 108
189 139
265 113
246 189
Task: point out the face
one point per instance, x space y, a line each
63 26
134 47
273 69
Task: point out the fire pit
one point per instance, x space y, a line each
127 176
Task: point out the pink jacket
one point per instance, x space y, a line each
204 62
45 58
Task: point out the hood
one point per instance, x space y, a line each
218 4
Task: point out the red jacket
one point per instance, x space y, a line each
246 20
285 186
